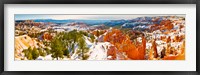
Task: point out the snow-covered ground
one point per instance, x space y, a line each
99 51
176 31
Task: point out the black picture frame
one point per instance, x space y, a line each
2 2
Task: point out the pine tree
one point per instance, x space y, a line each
47 51
98 33
35 53
28 53
30 57
83 48
57 48
40 51
73 48
66 52
92 37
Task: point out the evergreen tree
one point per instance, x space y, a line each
40 51
92 38
66 52
47 51
98 33
30 57
35 53
83 49
57 48
72 48
28 53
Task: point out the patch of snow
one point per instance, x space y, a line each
99 51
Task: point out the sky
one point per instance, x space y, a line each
88 17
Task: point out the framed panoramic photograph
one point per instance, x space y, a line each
99 36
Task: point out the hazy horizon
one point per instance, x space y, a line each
82 17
